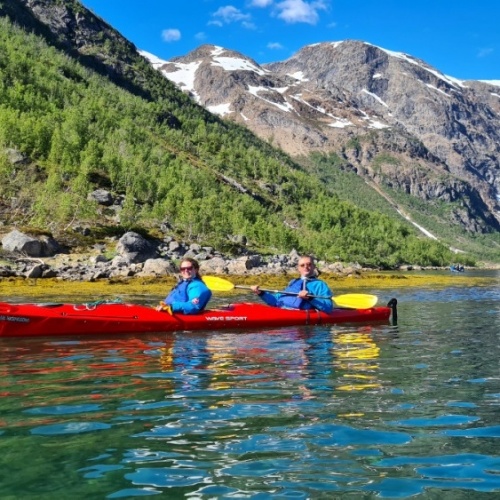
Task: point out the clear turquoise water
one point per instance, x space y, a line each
326 412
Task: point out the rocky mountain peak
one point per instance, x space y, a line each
329 93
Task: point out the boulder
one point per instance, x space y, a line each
50 246
6 272
18 242
217 265
102 197
158 267
243 264
134 248
35 272
98 259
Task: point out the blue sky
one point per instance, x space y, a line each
459 38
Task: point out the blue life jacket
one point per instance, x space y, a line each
178 293
292 301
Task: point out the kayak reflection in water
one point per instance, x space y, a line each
190 295
300 291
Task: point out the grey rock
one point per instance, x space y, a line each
174 246
158 267
98 259
15 157
35 272
50 246
217 265
201 256
6 272
102 197
18 242
135 248
189 254
195 247
49 273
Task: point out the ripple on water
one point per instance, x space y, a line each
439 421
168 477
63 409
472 471
333 435
69 428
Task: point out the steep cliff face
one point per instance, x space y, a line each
393 118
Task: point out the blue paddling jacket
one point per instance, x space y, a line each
180 299
314 286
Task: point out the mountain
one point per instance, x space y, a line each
396 121
82 111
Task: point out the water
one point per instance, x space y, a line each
326 412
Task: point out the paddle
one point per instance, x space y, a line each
348 301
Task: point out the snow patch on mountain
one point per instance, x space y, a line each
375 96
455 82
237 64
220 109
491 82
283 106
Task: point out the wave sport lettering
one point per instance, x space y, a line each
226 318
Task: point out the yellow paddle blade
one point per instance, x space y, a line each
355 300
217 284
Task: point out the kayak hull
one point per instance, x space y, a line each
31 320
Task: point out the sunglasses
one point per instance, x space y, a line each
187 268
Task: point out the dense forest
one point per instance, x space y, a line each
170 162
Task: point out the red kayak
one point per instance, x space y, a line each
30 320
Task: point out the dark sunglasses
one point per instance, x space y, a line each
188 268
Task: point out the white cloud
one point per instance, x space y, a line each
274 45
201 36
249 26
485 52
260 3
229 14
171 35
299 11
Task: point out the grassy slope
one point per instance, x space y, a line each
170 159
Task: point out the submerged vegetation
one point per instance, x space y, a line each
150 289
170 163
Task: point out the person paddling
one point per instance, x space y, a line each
302 288
190 295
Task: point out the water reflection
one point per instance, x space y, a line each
356 355
331 358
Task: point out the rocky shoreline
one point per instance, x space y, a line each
133 255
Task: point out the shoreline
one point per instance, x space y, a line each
154 287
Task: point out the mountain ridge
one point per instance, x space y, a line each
328 93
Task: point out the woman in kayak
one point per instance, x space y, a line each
190 295
301 290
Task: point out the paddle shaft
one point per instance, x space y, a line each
348 301
282 292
